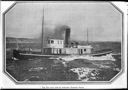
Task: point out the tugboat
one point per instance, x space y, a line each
60 48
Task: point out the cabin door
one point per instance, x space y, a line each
81 51
60 51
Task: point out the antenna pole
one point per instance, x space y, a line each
42 38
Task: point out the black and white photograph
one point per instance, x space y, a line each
63 42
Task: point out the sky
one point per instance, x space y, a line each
102 20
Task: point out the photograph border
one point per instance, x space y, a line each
62 82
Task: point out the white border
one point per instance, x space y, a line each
118 83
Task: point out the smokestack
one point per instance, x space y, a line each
67 36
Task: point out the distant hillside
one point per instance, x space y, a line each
35 43
21 40
115 46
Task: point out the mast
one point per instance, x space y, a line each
87 35
17 46
42 35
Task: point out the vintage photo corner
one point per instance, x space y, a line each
63 43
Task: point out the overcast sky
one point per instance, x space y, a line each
103 21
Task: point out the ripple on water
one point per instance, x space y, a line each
37 69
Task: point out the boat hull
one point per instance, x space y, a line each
21 55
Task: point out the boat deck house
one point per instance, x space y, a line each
56 46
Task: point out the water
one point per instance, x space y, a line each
46 69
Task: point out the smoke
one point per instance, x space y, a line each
59 31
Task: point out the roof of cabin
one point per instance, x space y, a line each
55 39
84 46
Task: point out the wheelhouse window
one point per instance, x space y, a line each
52 41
